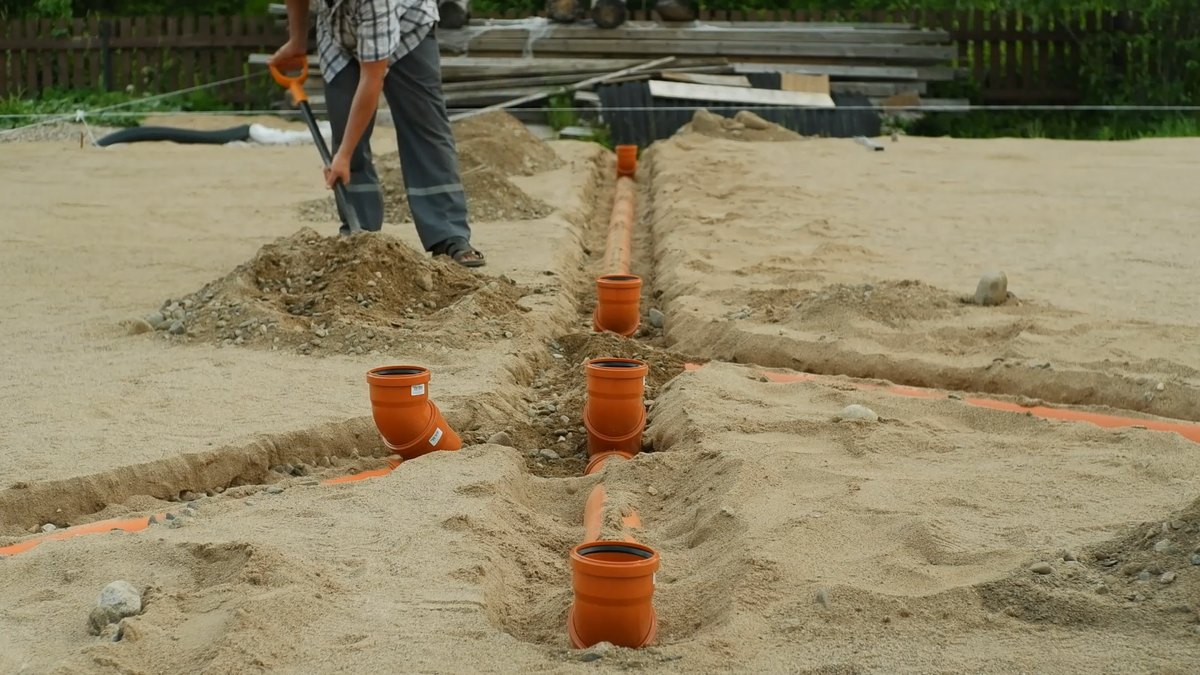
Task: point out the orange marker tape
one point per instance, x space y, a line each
1185 429
98 527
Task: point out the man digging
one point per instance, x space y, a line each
371 46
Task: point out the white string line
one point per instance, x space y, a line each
106 111
925 108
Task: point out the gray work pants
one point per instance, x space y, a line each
413 89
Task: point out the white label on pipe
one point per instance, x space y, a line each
418 389
437 436
654 579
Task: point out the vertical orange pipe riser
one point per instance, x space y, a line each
618 293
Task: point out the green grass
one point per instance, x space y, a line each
1064 125
133 111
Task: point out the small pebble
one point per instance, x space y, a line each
992 289
651 491
273 490
118 600
1042 568
1178 524
250 502
589 657
560 432
1160 386
152 521
48 527
656 318
188 513
1143 576
728 512
500 438
175 524
823 597
858 412
1196 559
310 482
1069 556
1166 578
176 328
548 454
169 516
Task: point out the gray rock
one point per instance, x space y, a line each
590 656
1144 576
1164 546
1166 578
728 512
152 521
310 482
1042 568
188 513
169 516
560 432
250 502
1196 559
117 601
657 318
176 328
48 527
273 490
992 289
175 524
1069 556
858 412
157 320
500 438
548 454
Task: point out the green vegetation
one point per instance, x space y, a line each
133 108
560 115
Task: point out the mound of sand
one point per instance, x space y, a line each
332 294
745 126
502 142
491 148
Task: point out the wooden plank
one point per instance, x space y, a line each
45 27
979 49
31 60
877 89
705 92
141 30
1027 79
186 56
204 68
62 74
78 70
1011 56
832 70
770 32
237 28
1043 57
718 80
686 48
220 30
813 84
5 27
169 58
124 77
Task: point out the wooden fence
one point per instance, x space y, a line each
1014 58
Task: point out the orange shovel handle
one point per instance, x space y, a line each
292 84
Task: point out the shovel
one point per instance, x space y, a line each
296 86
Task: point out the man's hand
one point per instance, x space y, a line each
290 50
338 171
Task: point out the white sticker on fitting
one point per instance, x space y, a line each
654 579
437 436
418 389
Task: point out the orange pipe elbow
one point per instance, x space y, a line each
411 425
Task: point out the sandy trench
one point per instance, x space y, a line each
791 542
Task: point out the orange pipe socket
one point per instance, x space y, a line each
613 583
411 425
626 160
614 414
618 307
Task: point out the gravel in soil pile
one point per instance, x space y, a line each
360 294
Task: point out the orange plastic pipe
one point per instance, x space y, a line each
1185 429
620 229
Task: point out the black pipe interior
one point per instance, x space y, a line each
399 371
616 548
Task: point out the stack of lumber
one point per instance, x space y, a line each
491 61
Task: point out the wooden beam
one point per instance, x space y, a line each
702 78
705 92
931 54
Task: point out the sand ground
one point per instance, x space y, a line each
791 541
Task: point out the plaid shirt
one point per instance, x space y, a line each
370 30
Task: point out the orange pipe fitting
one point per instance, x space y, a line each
614 414
627 160
618 306
613 582
411 424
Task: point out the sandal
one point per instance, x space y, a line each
461 251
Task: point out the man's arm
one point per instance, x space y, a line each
362 111
297 13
